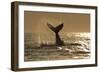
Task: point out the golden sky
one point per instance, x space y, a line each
36 22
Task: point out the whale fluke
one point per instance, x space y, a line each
56 30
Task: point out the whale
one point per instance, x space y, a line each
56 30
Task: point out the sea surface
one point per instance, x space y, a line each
43 48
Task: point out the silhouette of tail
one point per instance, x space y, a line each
55 29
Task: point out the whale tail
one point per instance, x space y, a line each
56 29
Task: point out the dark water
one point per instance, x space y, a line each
77 46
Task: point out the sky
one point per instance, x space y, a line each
36 22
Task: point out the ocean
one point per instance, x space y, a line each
76 46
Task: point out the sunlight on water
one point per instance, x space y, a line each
77 46
82 35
